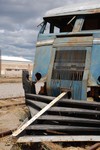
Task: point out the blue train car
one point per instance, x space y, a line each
68 51
68 59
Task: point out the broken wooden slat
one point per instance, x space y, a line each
39 114
56 138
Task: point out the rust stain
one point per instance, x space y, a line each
76 41
95 10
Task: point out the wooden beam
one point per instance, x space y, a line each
64 138
17 132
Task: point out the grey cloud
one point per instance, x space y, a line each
18 24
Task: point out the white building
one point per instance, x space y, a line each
13 66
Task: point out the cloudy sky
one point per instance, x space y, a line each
18 24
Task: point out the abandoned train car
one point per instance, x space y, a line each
68 50
68 58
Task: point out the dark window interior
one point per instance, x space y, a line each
92 22
69 65
64 24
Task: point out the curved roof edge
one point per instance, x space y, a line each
79 8
13 58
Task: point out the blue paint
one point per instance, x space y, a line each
42 60
69 41
95 62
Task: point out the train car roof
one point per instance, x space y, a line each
75 9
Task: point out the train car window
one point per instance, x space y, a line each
92 22
60 24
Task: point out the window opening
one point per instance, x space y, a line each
92 22
69 65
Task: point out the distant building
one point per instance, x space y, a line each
13 66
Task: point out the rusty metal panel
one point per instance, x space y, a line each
70 69
95 66
78 8
42 60
94 11
74 41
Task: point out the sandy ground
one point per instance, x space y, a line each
8 90
10 80
11 113
10 118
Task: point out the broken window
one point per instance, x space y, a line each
92 22
69 65
59 24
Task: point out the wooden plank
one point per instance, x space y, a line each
66 110
67 101
68 119
17 132
61 127
78 24
64 138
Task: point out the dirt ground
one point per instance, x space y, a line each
13 112
10 79
11 116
